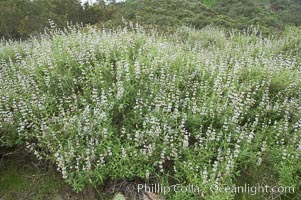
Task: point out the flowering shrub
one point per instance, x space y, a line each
197 106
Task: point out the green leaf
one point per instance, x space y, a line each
119 196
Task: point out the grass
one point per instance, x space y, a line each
22 176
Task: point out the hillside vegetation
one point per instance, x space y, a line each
239 14
22 18
196 107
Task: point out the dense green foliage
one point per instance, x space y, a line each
268 15
197 107
21 18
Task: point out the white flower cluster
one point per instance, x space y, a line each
104 102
